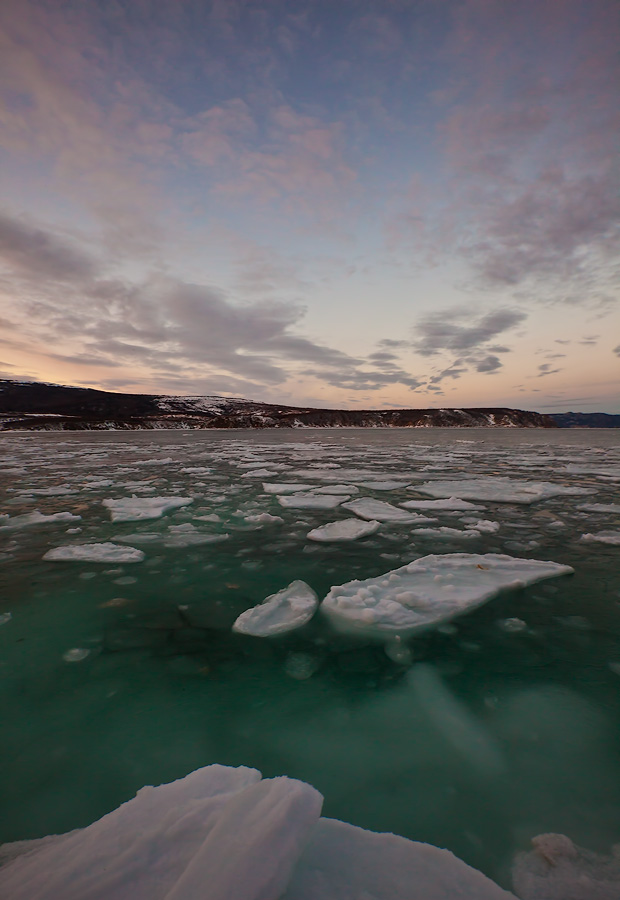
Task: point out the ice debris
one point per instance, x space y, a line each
135 509
343 530
106 552
557 869
226 833
430 590
285 611
499 490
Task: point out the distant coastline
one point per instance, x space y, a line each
36 406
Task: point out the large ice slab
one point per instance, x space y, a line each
106 552
343 530
430 590
312 501
136 509
380 511
285 611
225 834
499 490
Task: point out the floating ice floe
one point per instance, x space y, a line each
35 518
285 611
343 530
557 869
226 833
450 503
285 488
485 526
430 591
603 537
600 507
264 519
259 473
385 485
336 489
312 501
499 490
136 509
106 552
447 533
62 491
379 510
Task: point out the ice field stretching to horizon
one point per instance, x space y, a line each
439 699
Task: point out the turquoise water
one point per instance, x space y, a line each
489 737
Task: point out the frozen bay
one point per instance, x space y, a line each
476 736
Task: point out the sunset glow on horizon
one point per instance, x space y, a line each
400 203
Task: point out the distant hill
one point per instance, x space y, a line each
586 420
35 406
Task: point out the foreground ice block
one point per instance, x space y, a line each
285 611
136 509
430 590
224 834
105 553
499 490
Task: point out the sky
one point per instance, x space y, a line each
352 204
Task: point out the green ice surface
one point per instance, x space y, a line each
517 735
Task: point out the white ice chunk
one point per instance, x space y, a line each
452 503
285 488
485 526
259 473
557 869
430 591
447 533
379 510
499 490
264 519
312 501
343 530
603 537
36 518
336 489
601 507
105 552
290 608
385 485
135 509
